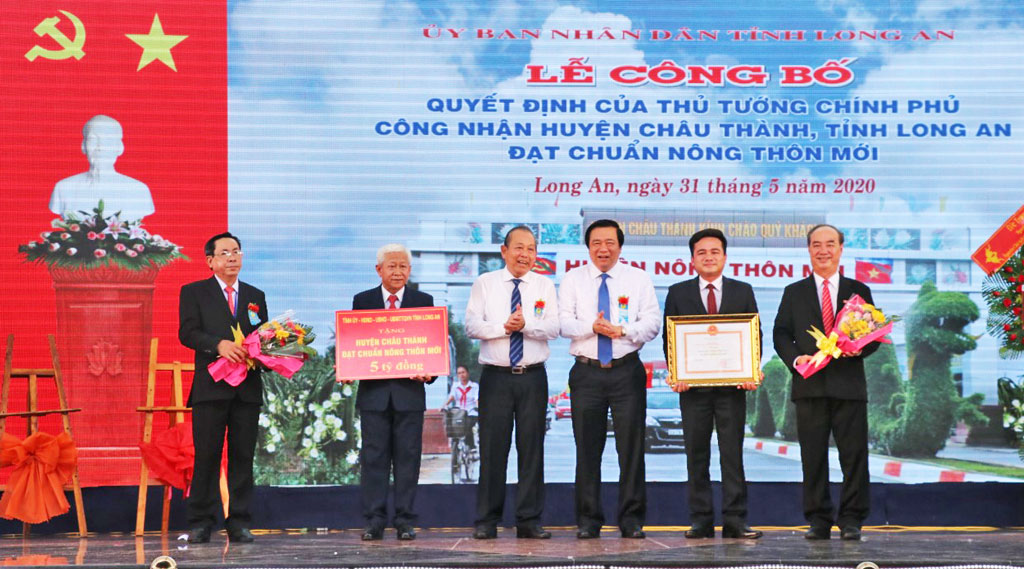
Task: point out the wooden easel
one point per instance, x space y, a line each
176 414
33 413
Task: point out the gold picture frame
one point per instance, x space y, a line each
714 350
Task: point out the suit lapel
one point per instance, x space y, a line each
693 293
814 303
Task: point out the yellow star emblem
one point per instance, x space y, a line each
991 256
156 45
873 273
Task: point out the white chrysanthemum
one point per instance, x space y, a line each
352 457
347 391
306 443
277 438
274 431
314 453
308 430
271 397
335 396
341 435
271 448
264 421
312 407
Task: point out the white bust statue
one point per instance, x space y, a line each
102 145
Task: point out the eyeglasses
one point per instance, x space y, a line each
227 254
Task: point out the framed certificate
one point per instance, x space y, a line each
382 344
710 350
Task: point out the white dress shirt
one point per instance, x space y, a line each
833 289
472 395
400 294
490 304
577 302
717 283
224 293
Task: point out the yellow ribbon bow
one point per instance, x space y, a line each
236 331
826 345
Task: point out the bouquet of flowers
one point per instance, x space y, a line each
91 240
281 345
857 325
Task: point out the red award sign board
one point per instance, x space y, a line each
384 344
1002 245
158 70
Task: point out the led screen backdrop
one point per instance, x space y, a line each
319 131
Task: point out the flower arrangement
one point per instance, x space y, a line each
308 428
283 336
1004 293
94 240
280 344
858 324
538 308
1011 398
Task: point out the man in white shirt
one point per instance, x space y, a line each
609 311
514 313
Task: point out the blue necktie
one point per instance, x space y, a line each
515 340
604 343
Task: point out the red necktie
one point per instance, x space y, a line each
828 317
391 302
463 392
712 304
231 299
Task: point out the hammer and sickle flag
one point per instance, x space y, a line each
70 47
175 141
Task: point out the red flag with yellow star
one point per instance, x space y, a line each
874 270
150 80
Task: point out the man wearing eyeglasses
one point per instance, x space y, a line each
208 310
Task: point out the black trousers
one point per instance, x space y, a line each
210 421
847 420
392 441
721 409
592 391
507 399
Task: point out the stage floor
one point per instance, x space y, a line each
664 547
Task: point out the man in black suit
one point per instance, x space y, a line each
208 309
391 411
706 409
833 400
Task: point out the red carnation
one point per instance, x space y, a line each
1007 302
1013 336
100 253
1016 310
996 293
1007 327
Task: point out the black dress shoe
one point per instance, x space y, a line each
815 533
485 532
406 533
850 533
199 535
584 533
635 533
700 532
740 532
373 534
532 532
241 535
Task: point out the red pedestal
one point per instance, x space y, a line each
104 324
434 439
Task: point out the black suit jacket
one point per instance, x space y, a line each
404 394
842 378
204 319
683 299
